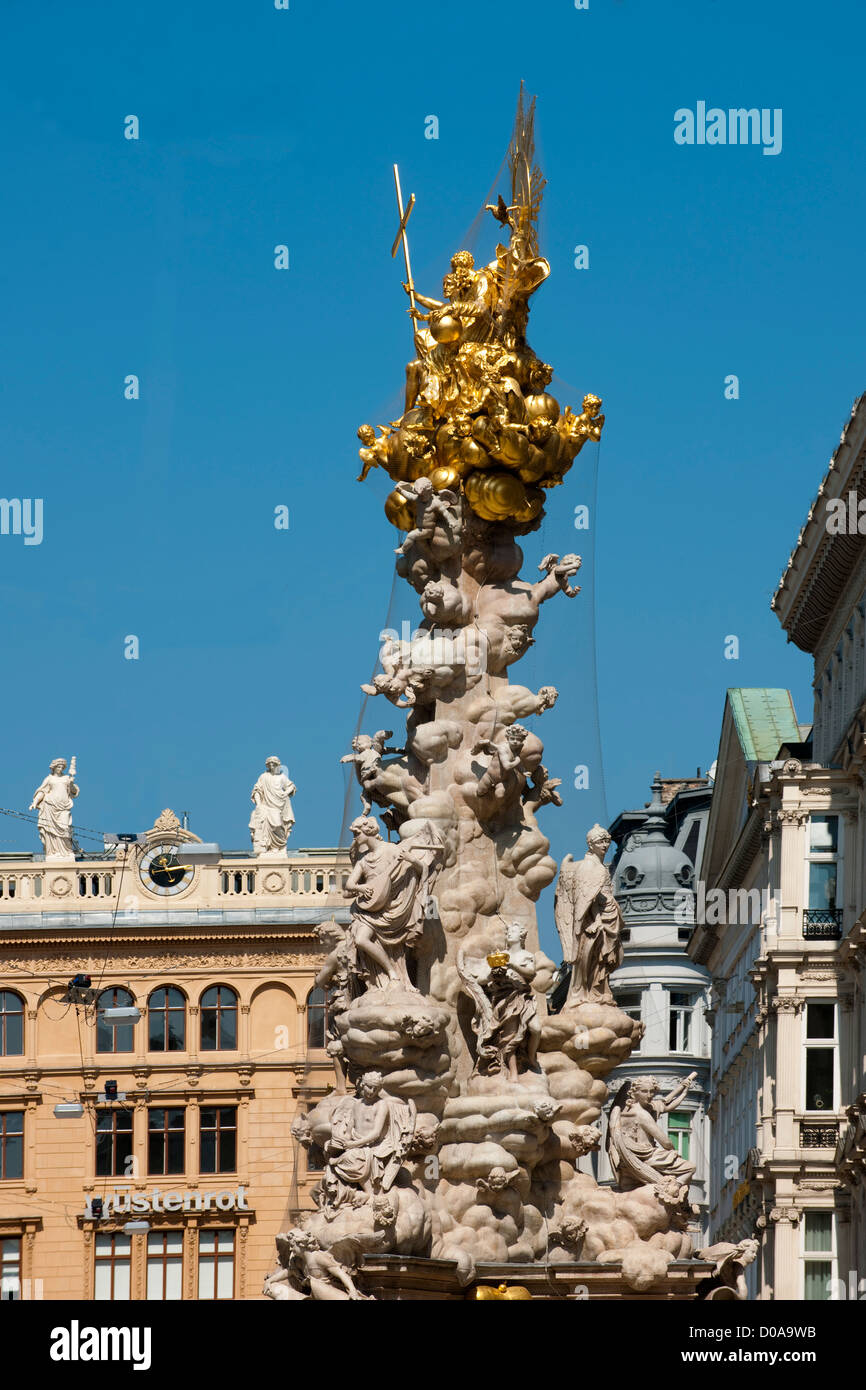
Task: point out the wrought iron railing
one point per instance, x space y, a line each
826 922
818 1136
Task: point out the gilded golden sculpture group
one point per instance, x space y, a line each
454 1134
478 416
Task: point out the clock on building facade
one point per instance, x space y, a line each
163 871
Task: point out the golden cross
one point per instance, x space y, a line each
401 236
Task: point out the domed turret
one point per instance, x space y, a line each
651 875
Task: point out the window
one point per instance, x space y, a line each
819 1256
629 1002
166 1021
12 1144
823 914
165 1265
112 1267
216 1264
10 1267
113 1143
317 1018
113 1037
219 1019
165 1142
680 1131
219 1133
680 1021
11 1024
820 1059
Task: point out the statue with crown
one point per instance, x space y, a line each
482 1107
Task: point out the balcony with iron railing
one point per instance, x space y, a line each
823 923
819 1134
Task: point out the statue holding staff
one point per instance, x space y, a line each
53 800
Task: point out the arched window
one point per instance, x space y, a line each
114 1037
219 1019
317 1018
166 1020
11 1024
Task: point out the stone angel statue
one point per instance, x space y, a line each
639 1150
589 922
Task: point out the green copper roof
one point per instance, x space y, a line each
764 720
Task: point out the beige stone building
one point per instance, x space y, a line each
217 953
784 846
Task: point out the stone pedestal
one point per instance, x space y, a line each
393 1278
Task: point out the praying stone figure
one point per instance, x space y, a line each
389 885
370 1134
53 800
506 1023
639 1150
272 818
589 922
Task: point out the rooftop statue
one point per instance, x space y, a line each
53 800
273 818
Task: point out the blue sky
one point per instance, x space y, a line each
155 257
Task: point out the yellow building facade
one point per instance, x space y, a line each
217 955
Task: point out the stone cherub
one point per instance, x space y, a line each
507 705
504 777
378 783
506 1024
589 922
543 789
509 612
399 681
639 1150
443 603
432 509
560 571
53 800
